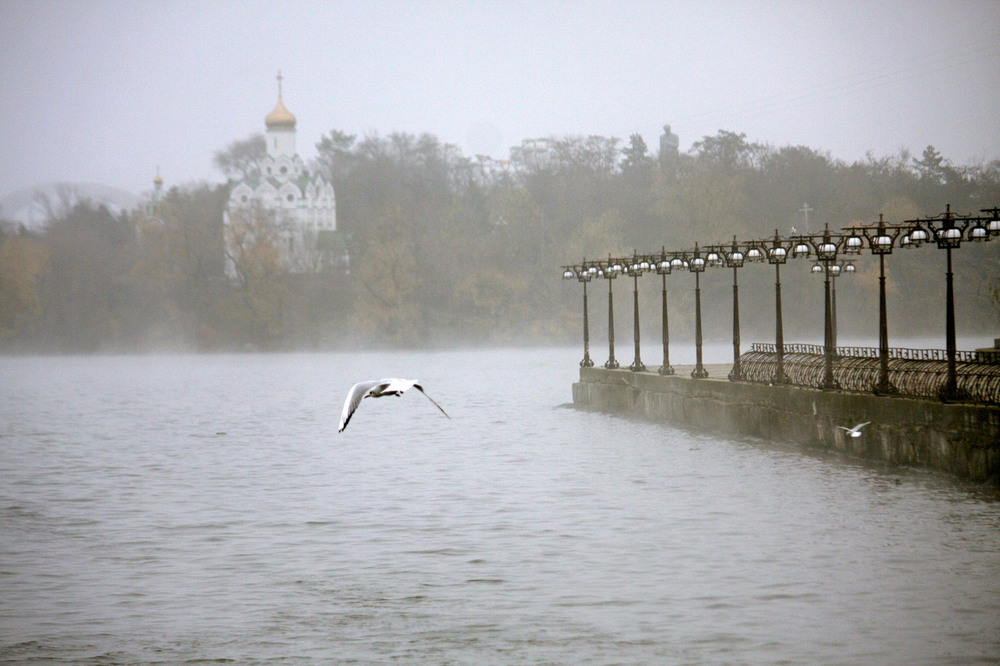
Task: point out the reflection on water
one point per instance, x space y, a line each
204 507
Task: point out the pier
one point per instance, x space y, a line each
958 438
933 408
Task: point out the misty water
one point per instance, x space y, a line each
204 507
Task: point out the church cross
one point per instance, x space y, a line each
280 77
805 211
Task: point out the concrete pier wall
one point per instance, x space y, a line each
961 439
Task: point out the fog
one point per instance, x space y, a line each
108 91
473 149
165 506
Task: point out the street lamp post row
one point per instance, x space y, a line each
663 264
947 230
584 273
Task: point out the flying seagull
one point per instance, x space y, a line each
378 389
856 430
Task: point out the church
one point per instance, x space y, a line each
282 207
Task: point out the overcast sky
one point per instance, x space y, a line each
105 91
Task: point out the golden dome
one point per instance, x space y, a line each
280 118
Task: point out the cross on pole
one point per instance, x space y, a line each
805 211
280 77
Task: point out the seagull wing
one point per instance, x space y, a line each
858 427
354 397
847 429
391 384
421 389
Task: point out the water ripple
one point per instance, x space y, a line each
203 509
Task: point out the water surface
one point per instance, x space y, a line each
200 508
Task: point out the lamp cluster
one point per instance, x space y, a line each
947 230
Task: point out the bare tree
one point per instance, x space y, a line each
241 158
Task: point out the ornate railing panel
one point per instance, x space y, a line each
869 352
919 373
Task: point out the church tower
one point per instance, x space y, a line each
282 162
295 210
280 125
157 187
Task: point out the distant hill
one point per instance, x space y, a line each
28 206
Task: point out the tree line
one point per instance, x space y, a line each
450 249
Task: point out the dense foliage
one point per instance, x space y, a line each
447 249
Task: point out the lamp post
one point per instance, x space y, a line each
663 268
836 270
583 274
611 271
714 256
638 266
947 230
826 252
826 255
676 263
757 254
853 244
697 266
777 254
734 260
880 241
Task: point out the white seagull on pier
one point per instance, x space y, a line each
856 430
378 389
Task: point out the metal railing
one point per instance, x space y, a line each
919 373
870 352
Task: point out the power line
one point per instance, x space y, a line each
845 86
